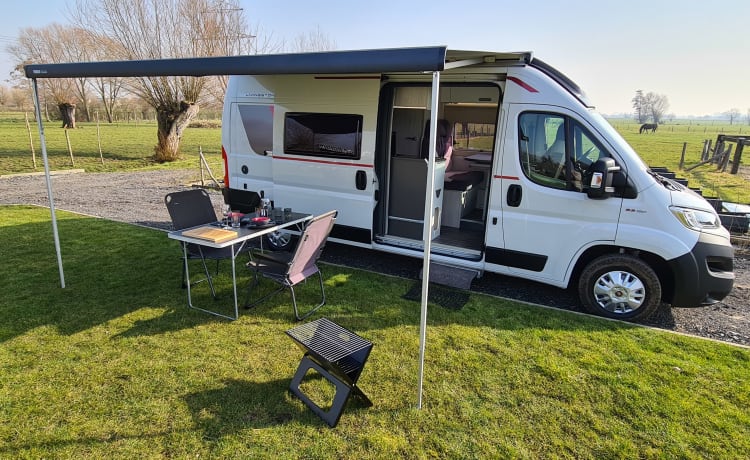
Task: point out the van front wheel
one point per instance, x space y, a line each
279 241
620 286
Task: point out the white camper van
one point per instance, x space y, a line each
529 180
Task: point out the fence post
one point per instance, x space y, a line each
201 160
99 138
725 159
706 149
70 149
208 169
682 157
737 156
31 140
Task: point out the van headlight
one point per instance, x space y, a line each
696 219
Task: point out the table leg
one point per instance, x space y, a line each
234 285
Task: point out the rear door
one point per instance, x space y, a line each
250 144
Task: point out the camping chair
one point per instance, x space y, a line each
292 268
191 208
243 201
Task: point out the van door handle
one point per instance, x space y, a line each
514 195
360 180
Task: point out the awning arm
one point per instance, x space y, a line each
463 63
38 112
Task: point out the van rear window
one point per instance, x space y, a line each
332 135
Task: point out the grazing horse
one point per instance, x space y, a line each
648 127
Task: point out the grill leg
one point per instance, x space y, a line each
331 417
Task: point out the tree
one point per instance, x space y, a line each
639 104
108 89
733 114
657 106
156 29
650 105
21 98
48 44
314 40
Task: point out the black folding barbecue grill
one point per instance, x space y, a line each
336 353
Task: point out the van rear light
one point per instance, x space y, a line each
226 166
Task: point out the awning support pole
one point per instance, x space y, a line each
429 221
49 181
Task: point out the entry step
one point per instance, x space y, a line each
448 275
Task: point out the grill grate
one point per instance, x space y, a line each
328 339
338 355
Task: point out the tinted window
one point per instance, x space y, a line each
258 123
323 134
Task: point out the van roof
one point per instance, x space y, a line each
420 59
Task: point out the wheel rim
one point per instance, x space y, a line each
619 292
279 239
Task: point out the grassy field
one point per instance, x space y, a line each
664 148
129 146
124 146
116 366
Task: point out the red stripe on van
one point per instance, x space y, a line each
523 84
325 162
507 177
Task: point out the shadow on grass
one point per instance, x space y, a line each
241 404
114 269
111 269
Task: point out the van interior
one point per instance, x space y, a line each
466 136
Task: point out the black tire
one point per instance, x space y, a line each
620 286
280 241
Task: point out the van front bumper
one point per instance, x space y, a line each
705 275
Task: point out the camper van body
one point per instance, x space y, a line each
538 185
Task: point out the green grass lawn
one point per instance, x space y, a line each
664 148
116 366
125 147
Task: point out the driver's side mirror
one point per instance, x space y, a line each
598 179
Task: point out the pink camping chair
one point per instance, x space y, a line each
289 269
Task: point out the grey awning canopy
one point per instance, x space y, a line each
422 59
332 62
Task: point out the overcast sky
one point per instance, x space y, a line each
694 52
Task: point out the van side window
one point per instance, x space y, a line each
258 123
332 135
556 150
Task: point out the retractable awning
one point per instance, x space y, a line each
433 60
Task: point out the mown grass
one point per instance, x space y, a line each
124 147
664 148
116 366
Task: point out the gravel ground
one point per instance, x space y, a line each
138 198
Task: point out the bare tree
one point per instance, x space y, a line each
733 114
21 98
108 89
48 44
639 105
656 106
314 40
228 34
154 29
